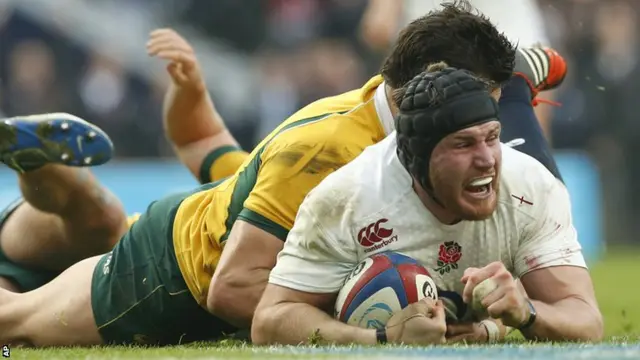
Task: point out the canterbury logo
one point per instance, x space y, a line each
374 233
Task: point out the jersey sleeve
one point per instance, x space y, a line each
287 173
221 163
317 257
551 239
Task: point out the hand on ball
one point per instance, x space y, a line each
420 323
504 302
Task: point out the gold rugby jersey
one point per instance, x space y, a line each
269 186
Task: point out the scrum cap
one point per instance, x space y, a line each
434 105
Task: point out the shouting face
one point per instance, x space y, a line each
465 171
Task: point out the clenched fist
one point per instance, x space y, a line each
183 65
421 323
505 302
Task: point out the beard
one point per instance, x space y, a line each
452 197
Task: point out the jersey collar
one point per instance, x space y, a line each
383 109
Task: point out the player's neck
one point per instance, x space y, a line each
443 215
389 94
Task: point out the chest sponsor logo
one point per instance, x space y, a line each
375 236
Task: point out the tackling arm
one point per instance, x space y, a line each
242 273
304 284
262 226
287 316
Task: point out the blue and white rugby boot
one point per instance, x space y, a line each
30 142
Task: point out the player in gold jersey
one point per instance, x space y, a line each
169 274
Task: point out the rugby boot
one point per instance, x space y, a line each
30 142
543 69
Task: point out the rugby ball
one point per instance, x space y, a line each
380 286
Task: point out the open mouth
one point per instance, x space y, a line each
480 188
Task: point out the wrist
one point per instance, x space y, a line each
381 336
198 90
530 316
363 336
492 329
192 89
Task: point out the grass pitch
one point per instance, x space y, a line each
614 277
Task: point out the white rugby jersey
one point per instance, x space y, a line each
369 206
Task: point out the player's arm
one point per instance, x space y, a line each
242 273
304 285
259 233
555 277
288 316
191 122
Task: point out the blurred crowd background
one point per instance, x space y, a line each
265 58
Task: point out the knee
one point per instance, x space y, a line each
107 225
114 220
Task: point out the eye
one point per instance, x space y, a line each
493 138
462 145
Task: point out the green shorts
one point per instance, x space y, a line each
24 277
138 294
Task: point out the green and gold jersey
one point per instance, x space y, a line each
269 186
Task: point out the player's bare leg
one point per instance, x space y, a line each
67 215
56 314
8 284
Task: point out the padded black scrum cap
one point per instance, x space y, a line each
434 105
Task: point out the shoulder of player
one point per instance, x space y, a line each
524 181
361 187
321 143
353 122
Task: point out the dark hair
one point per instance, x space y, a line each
457 35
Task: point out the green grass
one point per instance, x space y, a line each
615 279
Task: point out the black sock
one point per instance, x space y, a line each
519 121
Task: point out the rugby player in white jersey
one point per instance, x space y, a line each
443 179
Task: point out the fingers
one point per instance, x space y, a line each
493 296
510 308
438 312
156 44
168 35
185 59
504 284
169 45
467 273
425 306
499 307
174 69
477 277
